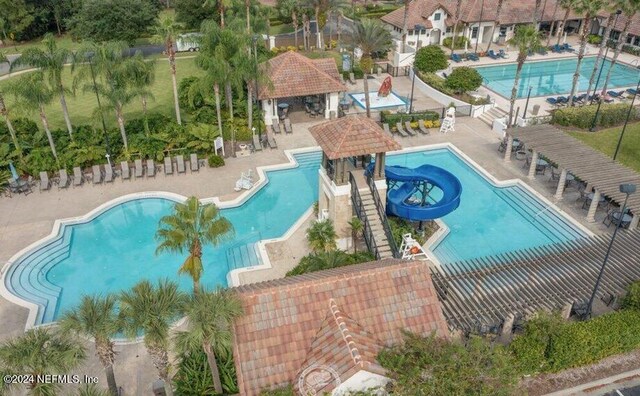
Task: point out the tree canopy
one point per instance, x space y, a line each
463 79
430 59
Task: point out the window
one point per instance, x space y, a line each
636 41
474 32
449 30
503 31
436 16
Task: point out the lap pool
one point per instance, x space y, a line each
553 77
114 249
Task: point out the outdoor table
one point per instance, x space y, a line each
625 219
542 162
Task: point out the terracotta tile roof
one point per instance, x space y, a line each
351 136
293 74
289 321
634 27
513 11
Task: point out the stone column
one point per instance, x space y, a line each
561 183
591 214
532 167
383 163
634 221
507 150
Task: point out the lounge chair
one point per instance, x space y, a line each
271 141
400 130
125 174
423 128
409 129
168 166
503 54
617 95
557 49
474 57
97 174
180 164
78 178
151 168
139 168
456 58
562 100
64 179
386 128
257 144
632 91
552 101
276 125
352 78
287 126
567 47
44 181
193 159
108 173
493 55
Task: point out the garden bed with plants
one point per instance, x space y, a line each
582 116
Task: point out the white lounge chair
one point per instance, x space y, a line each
423 128
124 170
108 173
409 128
195 166
180 164
44 181
78 178
287 126
168 166
64 179
151 168
139 168
276 125
97 174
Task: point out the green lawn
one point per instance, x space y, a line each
607 139
81 107
284 28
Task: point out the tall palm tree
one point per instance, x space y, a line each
603 45
189 228
51 61
166 31
211 59
455 25
42 351
322 236
553 22
536 16
589 8
96 317
5 113
405 31
318 6
356 228
496 23
370 36
526 38
152 309
141 74
210 316
32 94
630 8
567 5
222 6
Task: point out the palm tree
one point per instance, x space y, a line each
356 228
371 37
211 59
553 22
189 228
567 5
455 25
525 39
317 6
630 9
5 113
405 17
96 317
495 24
51 61
141 75
536 17
210 316
222 5
589 8
32 94
151 310
166 32
603 46
42 351
322 236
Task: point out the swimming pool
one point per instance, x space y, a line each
378 102
553 77
115 249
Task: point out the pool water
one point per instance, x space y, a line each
116 249
554 77
378 102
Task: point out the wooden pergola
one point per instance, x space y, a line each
488 292
600 172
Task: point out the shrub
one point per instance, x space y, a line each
194 376
189 96
582 117
460 41
322 236
631 49
430 59
463 79
392 118
327 260
358 73
215 161
632 299
594 39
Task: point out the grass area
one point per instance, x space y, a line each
64 41
606 140
82 105
280 29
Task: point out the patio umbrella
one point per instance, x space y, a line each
12 168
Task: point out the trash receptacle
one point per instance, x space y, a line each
158 388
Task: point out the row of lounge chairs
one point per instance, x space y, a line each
560 48
475 57
406 129
583 99
276 125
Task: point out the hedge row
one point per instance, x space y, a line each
392 118
582 117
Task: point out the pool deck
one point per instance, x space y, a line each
26 219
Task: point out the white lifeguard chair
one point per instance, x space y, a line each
245 182
449 121
411 249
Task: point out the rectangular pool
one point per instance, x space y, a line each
553 77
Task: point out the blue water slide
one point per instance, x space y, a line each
398 199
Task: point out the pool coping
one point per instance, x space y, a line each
59 224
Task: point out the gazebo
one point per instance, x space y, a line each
293 75
348 144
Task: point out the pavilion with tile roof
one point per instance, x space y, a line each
323 331
292 75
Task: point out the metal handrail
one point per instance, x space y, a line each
362 215
383 215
